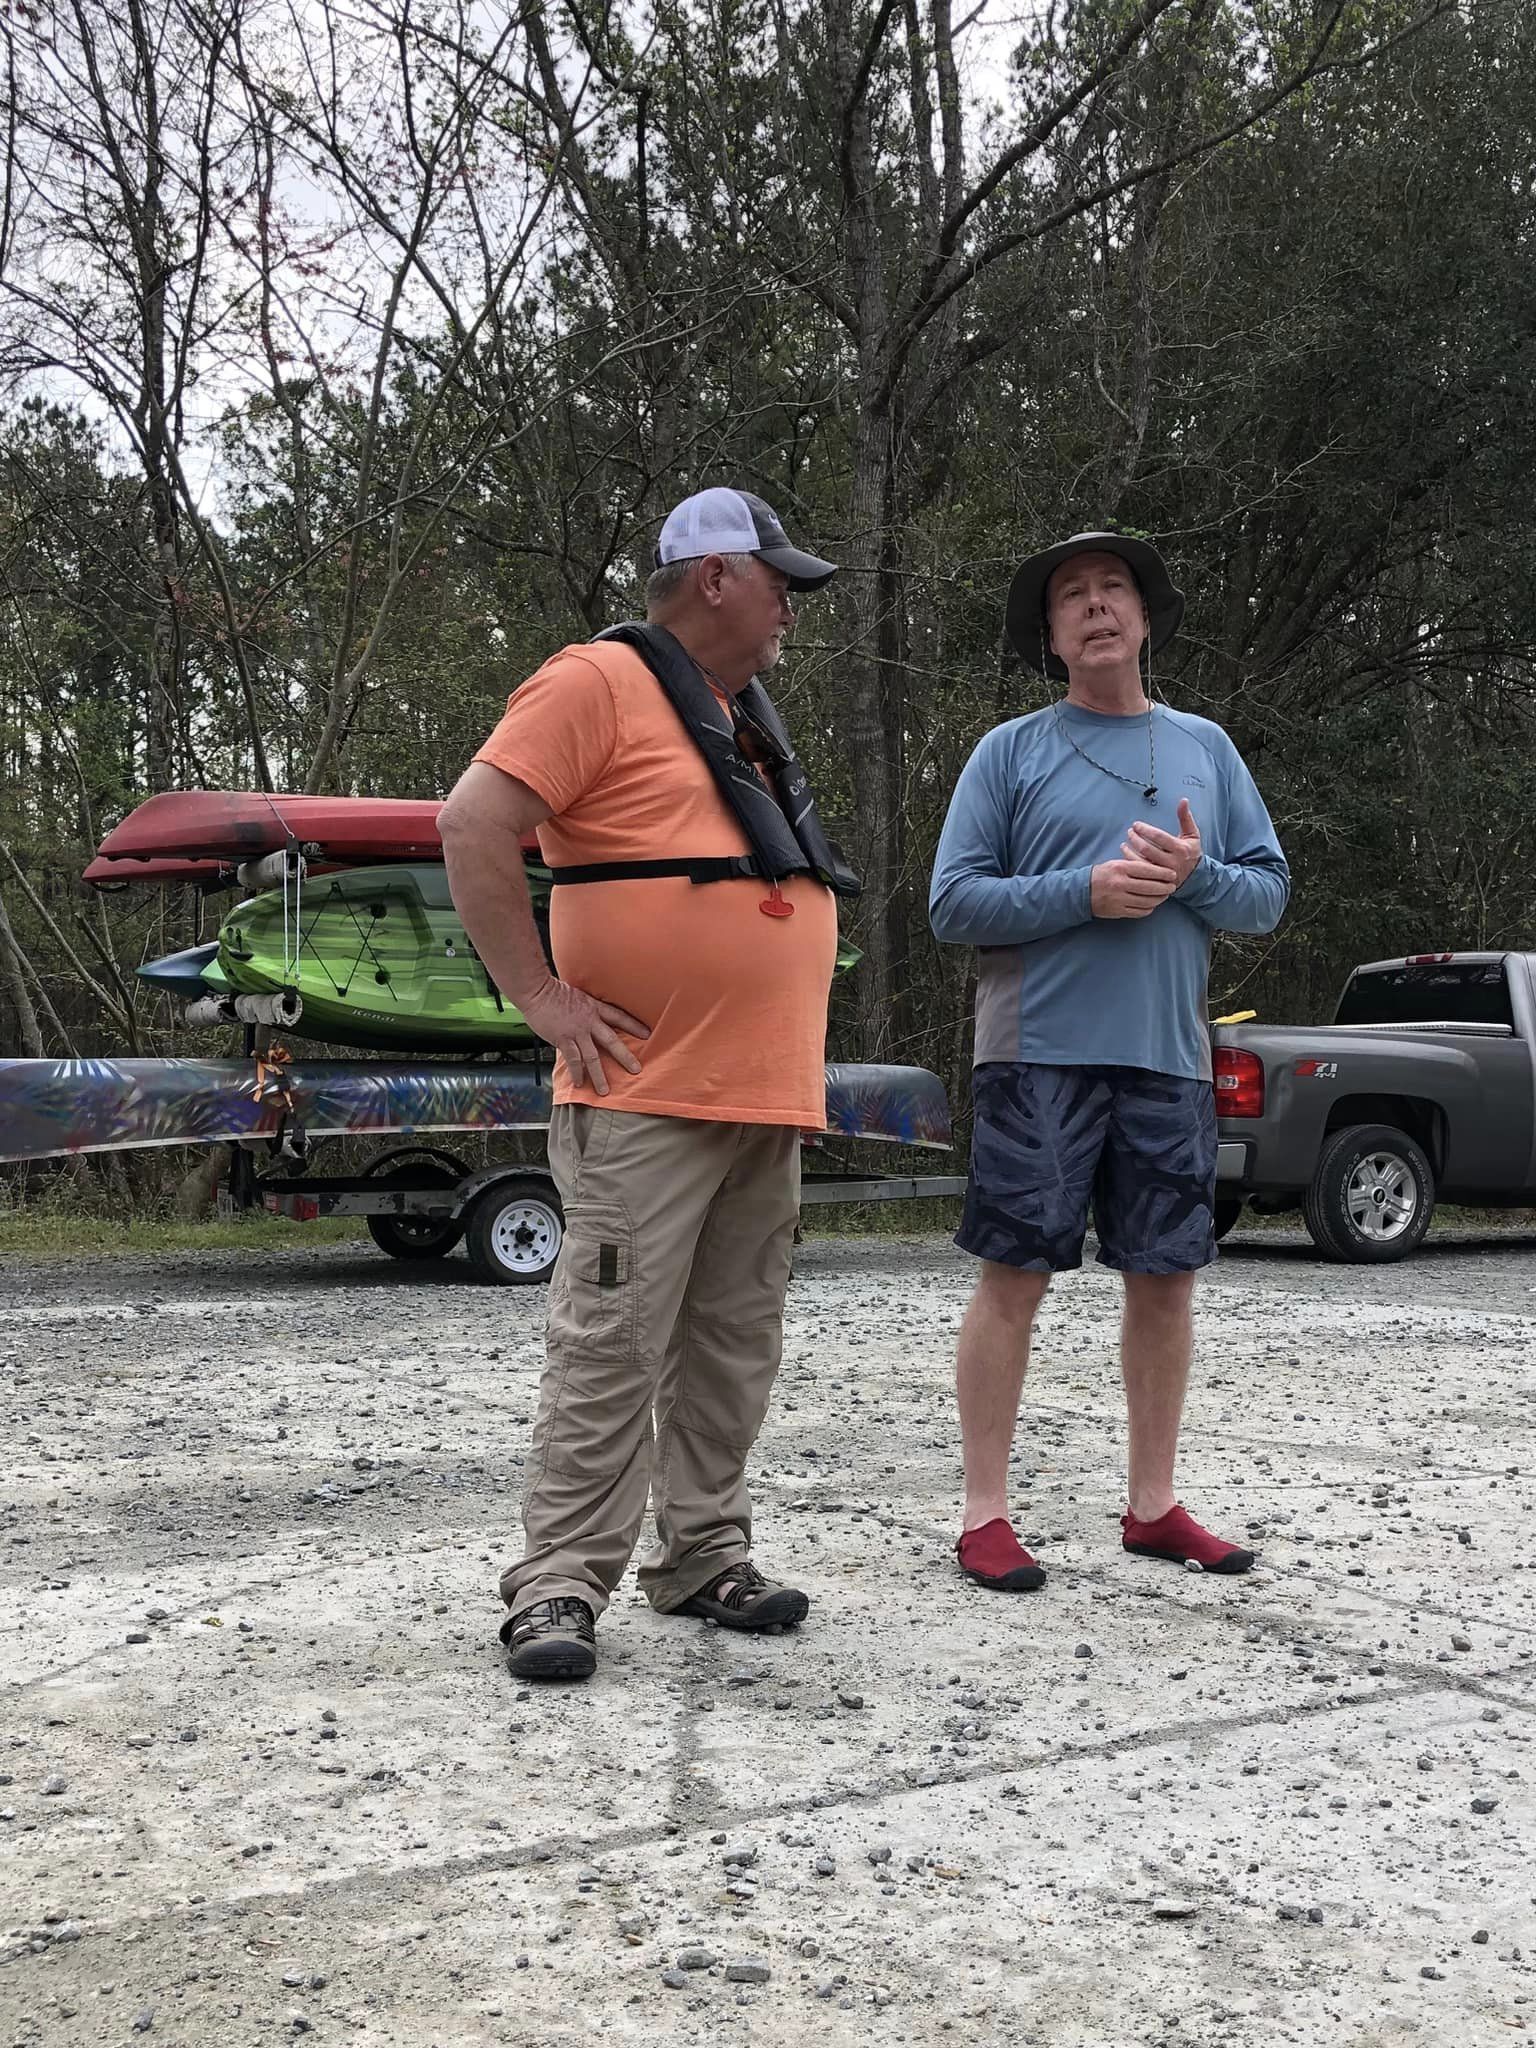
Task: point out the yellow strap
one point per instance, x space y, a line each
1237 1017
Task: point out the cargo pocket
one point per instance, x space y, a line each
596 1398
593 1298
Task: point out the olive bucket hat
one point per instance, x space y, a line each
1026 596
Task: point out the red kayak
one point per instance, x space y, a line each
234 825
113 876
110 875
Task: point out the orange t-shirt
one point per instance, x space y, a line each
736 1001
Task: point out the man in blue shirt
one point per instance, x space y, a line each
1090 851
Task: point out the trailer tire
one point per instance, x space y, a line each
515 1231
1372 1197
416 1237
1225 1214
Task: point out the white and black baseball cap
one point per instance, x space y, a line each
726 522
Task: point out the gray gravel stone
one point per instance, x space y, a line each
750 1970
54 1784
696 1959
675 1980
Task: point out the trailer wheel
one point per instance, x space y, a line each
515 1231
1372 1196
416 1237
1228 1209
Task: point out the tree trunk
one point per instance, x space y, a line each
873 734
13 980
872 724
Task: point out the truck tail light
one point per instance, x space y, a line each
1239 1082
1429 959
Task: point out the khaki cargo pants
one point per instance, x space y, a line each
668 1298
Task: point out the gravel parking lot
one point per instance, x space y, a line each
263 1774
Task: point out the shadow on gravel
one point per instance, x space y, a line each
1300 1251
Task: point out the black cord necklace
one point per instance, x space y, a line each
1131 781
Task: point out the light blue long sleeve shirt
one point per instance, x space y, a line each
1029 821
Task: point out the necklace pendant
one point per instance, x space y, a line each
1151 794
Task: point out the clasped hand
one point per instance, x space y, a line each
1152 865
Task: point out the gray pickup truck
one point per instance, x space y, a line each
1423 1089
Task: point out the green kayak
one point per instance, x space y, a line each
383 962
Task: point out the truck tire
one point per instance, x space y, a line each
1372 1196
515 1230
415 1237
1228 1209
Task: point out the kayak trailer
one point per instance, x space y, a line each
420 1200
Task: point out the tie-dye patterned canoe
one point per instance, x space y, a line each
53 1107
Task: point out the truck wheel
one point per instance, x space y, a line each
1372 1196
1228 1209
415 1237
515 1230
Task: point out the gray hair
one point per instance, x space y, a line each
663 584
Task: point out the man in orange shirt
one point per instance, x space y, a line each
694 933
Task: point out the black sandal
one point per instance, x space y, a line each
747 1601
551 1639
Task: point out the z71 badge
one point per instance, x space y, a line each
1317 1070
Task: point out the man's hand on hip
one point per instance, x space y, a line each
582 1029
1178 857
1128 888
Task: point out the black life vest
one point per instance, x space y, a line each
781 825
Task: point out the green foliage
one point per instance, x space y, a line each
41 1233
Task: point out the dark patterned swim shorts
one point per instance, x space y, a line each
1051 1142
